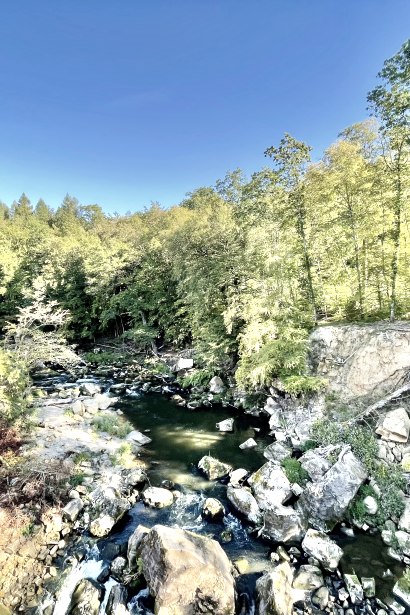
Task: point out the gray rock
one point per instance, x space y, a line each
403 539
322 548
320 598
86 598
108 507
243 502
370 505
249 443
187 573
134 542
78 407
135 477
105 401
401 590
213 508
395 426
369 586
90 405
404 522
277 452
236 477
157 497
308 578
274 592
324 503
314 462
225 425
73 509
283 524
184 364
270 486
213 468
216 385
90 388
117 601
138 437
118 566
354 588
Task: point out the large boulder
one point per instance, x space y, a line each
213 468
283 524
395 426
86 598
134 543
90 388
277 452
243 502
322 548
315 463
274 593
117 601
270 486
324 502
186 573
107 508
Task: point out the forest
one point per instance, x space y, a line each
241 270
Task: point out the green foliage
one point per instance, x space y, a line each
103 358
80 457
404 581
198 378
28 530
390 505
294 471
14 381
76 479
112 425
124 456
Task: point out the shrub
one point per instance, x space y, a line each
294 471
14 382
110 425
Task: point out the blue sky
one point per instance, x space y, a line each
125 102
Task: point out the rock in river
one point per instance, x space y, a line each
274 593
324 549
243 502
213 509
213 468
86 598
186 573
138 438
157 497
225 425
270 486
283 524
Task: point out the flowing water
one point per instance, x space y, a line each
180 437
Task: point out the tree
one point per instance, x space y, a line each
22 208
291 158
390 103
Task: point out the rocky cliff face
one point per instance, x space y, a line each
362 361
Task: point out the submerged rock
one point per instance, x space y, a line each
322 548
324 502
187 573
213 468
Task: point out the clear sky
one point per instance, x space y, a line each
124 102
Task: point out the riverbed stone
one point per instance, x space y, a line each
243 502
105 401
216 385
277 452
138 437
213 468
402 590
320 598
324 502
403 540
213 508
118 566
117 601
270 486
283 524
314 462
73 509
90 388
354 588
274 592
226 425
370 505
157 497
236 477
108 507
369 586
86 598
308 578
318 545
395 426
187 573
90 405
134 543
